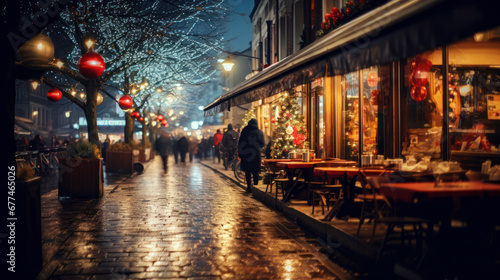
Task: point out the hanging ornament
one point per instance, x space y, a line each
141 119
374 93
283 107
419 78
372 79
289 130
160 118
164 122
125 102
273 119
134 114
54 95
100 99
418 93
39 50
91 65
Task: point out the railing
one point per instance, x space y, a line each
43 162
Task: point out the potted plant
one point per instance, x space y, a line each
28 226
120 157
80 173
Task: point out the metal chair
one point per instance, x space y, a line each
369 195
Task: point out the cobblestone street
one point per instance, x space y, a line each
187 224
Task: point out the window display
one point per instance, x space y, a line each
474 95
350 116
422 106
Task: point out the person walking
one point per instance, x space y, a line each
217 139
182 147
229 145
192 148
175 150
105 147
249 145
163 146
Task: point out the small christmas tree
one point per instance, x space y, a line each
250 114
290 132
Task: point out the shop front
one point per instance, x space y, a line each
418 80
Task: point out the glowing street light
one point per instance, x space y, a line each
227 64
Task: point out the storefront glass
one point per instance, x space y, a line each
474 97
349 146
422 106
370 89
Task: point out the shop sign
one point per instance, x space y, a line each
101 122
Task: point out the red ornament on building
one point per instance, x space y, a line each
418 93
91 65
419 78
54 95
372 79
125 102
160 118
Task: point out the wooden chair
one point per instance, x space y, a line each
397 222
321 191
272 172
368 195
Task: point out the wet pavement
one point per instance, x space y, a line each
190 223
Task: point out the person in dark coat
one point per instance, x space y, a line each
163 146
183 147
249 145
175 150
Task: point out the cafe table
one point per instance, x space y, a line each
347 175
473 202
297 170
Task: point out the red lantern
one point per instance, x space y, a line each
418 93
372 79
54 95
160 118
125 102
91 65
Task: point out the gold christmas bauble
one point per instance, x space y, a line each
99 99
39 50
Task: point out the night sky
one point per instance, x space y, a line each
239 25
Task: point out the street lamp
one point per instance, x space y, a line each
227 64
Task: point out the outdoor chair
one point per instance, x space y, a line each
400 226
321 191
368 195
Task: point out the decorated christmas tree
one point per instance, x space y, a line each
290 131
250 114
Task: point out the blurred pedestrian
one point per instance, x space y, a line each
175 150
249 145
37 143
217 139
105 146
229 145
182 148
192 148
163 146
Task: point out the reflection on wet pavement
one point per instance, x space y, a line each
184 224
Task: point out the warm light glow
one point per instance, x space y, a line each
154 123
181 113
73 92
82 95
35 113
159 89
40 46
228 64
34 85
67 114
89 43
59 64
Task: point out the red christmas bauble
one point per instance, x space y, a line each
348 11
273 119
374 93
164 122
334 11
125 102
135 114
141 119
418 93
372 79
91 65
328 16
54 95
419 78
160 118
350 3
